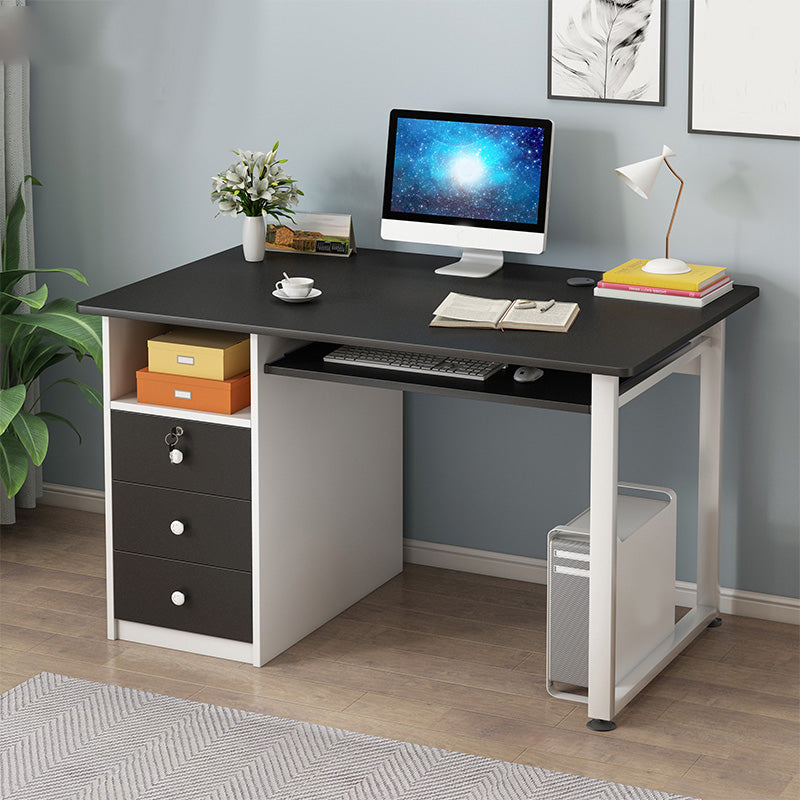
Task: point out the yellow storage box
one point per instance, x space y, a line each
199 353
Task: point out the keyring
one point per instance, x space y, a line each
171 439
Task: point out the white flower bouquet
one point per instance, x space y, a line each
255 185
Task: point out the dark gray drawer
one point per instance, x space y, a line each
216 458
212 530
218 602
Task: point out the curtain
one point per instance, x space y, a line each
16 160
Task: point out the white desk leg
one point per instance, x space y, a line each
603 551
708 483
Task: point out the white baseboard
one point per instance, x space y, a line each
484 562
534 570
54 494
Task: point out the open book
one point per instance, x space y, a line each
465 311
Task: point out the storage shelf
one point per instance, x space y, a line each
128 402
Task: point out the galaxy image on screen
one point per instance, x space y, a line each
468 170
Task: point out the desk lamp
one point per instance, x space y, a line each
640 177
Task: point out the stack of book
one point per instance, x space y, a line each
694 289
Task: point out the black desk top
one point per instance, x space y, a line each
386 299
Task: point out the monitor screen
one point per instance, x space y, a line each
488 172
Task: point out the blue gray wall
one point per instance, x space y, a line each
136 104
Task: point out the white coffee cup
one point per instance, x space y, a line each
295 287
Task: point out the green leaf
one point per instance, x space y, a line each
32 433
13 463
91 394
11 401
9 277
35 299
33 351
13 222
58 418
36 364
81 331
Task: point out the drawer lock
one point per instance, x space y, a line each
178 598
171 440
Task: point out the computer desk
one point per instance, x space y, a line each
324 478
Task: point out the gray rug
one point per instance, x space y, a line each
67 738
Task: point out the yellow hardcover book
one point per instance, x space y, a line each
199 353
631 272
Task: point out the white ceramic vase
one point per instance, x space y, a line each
253 238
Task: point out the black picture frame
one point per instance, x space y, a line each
563 71
726 69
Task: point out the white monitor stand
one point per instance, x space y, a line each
474 264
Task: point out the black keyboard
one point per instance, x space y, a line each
419 363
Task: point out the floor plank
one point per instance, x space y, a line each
437 657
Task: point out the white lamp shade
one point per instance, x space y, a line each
641 175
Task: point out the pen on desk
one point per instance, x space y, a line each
545 306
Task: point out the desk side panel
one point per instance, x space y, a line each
330 500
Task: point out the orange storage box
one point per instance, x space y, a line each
200 394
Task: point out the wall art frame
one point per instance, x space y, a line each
744 68
607 51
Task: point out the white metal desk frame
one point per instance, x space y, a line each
704 357
607 694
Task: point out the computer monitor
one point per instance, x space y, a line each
476 182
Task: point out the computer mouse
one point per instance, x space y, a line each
527 374
581 281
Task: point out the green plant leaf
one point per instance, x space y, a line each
81 331
9 277
33 435
92 395
35 299
58 418
35 362
11 401
13 222
13 463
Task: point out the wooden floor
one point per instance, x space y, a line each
441 658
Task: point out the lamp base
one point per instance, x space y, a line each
666 266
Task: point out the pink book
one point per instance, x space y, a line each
658 290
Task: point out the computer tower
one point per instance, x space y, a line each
645 594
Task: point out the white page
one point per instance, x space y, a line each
472 309
557 315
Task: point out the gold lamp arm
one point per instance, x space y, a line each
677 200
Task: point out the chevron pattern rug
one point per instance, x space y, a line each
64 738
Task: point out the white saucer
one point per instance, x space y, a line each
286 299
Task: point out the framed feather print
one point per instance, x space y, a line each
744 68
607 50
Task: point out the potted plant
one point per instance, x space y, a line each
257 187
35 334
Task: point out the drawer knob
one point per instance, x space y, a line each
175 456
177 527
178 598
